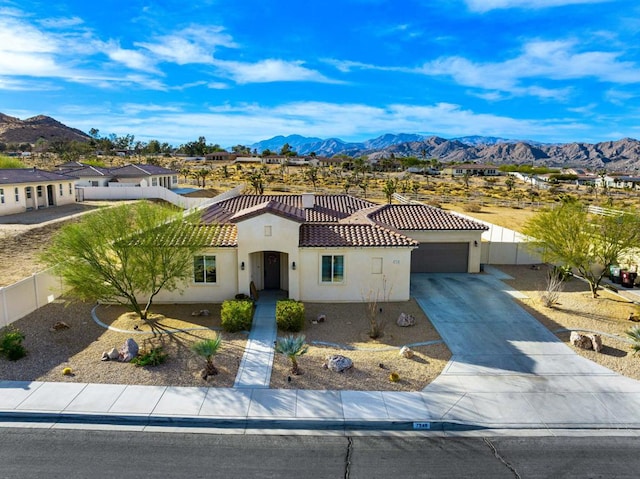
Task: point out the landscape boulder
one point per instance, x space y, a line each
337 363
406 320
128 351
586 341
59 326
406 352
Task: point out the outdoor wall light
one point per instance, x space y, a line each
242 266
475 243
293 265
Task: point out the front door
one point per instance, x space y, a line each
271 270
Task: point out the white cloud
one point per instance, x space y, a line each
483 6
61 22
270 70
543 60
130 58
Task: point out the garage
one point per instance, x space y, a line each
440 258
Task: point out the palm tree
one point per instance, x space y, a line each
208 348
292 347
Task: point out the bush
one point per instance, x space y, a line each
236 315
472 208
150 357
11 344
290 315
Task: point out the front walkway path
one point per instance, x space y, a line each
257 361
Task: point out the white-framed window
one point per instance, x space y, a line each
204 269
16 192
154 181
39 191
70 189
60 189
376 265
174 180
2 196
28 192
332 269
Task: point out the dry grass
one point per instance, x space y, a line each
347 324
512 218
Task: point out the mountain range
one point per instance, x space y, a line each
618 155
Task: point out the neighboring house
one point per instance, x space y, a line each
325 248
143 175
618 181
24 189
471 169
91 176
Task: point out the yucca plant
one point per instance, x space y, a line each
292 347
208 348
634 334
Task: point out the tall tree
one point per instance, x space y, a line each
127 252
590 243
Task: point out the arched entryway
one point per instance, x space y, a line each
269 270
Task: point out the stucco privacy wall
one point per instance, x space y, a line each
25 296
467 236
361 275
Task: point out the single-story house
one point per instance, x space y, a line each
471 169
24 189
618 181
324 248
128 175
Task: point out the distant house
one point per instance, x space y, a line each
471 169
324 248
25 189
220 156
144 175
618 181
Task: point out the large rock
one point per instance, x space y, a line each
406 320
406 352
128 351
338 363
586 341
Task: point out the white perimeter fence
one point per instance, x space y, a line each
25 296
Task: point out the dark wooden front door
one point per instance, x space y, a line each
271 270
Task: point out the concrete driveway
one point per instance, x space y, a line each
506 367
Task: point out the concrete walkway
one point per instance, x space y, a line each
507 375
255 367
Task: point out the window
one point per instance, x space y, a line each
376 265
28 190
16 191
174 180
332 269
154 181
60 189
2 196
70 188
39 191
204 269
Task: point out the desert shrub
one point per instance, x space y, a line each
634 335
236 315
472 208
290 315
555 285
11 344
150 357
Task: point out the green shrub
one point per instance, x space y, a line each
290 315
11 344
236 315
150 357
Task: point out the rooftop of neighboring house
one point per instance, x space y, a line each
16 176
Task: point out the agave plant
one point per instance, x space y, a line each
292 347
634 334
208 348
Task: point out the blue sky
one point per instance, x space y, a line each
239 71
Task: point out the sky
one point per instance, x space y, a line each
240 71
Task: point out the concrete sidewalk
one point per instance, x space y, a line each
507 375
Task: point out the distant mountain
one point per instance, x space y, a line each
14 130
621 154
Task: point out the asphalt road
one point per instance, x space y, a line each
35 453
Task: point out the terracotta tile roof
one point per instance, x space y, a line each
220 236
351 235
327 209
273 207
9 176
422 217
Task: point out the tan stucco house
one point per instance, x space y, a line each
25 189
324 248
